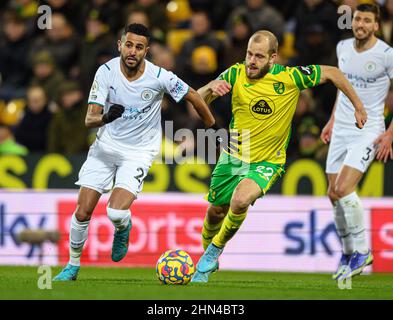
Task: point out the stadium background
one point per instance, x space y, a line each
46 75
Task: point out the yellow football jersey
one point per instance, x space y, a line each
262 110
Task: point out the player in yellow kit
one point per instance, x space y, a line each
264 98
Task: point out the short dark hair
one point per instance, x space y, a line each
370 7
137 28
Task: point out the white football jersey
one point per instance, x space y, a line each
139 128
369 73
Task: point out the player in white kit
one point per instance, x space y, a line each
125 102
367 62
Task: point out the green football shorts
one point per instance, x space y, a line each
229 171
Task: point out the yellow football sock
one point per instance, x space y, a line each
231 224
209 230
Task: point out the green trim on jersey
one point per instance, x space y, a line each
230 74
305 77
276 69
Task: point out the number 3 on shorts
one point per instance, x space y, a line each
367 156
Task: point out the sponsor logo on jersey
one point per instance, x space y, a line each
147 95
306 70
279 87
177 88
370 66
135 113
95 87
261 108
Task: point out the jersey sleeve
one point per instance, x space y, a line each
230 75
173 85
305 76
99 90
338 48
389 62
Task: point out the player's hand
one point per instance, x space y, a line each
361 118
327 131
114 112
384 142
219 88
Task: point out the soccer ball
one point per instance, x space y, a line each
175 267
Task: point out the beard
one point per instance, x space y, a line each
261 73
128 67
365 37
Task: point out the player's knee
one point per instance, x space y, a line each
341 190
240 203
332 194
117 215
82 213
215 214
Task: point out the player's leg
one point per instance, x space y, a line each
244 195
87 200
130 174
341 227
338 150
222 185
346 183
212 224
246 192
118 210
95 178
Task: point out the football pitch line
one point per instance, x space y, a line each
141 284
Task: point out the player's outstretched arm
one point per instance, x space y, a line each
333 74
213 90
201 107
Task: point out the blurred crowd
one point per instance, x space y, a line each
45 75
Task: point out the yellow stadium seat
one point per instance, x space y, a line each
2 107
287 49
13 112
178 11
176 38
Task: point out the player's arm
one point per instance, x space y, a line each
200 106
94 117
333 74
213 90
327 130
385 140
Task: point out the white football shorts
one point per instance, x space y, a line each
105 168
351 148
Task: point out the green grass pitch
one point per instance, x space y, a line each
142 284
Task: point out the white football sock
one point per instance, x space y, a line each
354 215
119 218
342 228
78 237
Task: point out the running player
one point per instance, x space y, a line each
124 102
367 62
264 98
